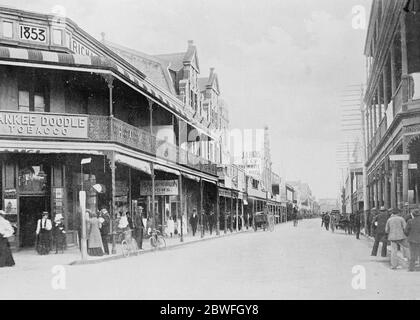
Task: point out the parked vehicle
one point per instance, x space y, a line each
260 220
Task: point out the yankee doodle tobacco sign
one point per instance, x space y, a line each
43 125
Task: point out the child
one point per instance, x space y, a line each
59 233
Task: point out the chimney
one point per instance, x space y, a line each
103 37
190 43
211 70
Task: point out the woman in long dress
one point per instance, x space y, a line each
43 231
95 246
6 230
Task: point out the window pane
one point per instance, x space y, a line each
39 105
23 100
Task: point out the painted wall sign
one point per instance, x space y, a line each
162 188
79 48
32 33
43 125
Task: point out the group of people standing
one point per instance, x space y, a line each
99 229
403 233
351 224
50 233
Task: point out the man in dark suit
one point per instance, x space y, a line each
139 227
412 230
379 221
194 221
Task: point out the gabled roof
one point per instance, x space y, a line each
178 60
174 60
155 69
210 82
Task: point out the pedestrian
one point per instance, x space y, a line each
395 227
327 219
357 224
322 219
43 233
6 231
171 226
95 245
211 221
138 228
194 221
412 230
378 224
59 233
295 217
333 219
105 223
123 223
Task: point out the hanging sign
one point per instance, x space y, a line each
162 188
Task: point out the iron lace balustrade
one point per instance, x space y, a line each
105 128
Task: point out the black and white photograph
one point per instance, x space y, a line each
209 150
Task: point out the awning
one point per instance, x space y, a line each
129 73
166 169
189 176
209 181
133 162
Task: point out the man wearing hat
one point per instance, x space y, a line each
138 227
379 223
412 230
395 227
43 232
105 224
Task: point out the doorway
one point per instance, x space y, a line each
31 208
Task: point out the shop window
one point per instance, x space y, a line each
10 176
32 179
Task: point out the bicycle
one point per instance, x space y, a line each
157 240
128 243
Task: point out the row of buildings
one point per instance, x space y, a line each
388 176
128 129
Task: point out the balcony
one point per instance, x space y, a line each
107 129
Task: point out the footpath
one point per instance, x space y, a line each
72 256
401 259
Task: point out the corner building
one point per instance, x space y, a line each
65 97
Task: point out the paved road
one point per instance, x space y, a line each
306 262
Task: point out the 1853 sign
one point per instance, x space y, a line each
162 188
31 33
43 125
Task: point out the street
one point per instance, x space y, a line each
305 262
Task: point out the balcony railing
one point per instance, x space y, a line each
107 129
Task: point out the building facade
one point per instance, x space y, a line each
392 118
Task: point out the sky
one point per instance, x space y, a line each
280 63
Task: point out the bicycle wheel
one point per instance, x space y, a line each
125 248
161 242
153 242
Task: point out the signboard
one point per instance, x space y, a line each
43 125
57 200
399 157
225 193
32 33
412 166
162 188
